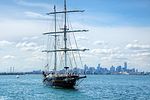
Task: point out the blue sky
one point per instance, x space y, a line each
126 12
119 31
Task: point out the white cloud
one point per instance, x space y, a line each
31 4
36 56
138 47
28 46
139 51
7 57
141 55
26 54
100 42
120 57
138 54
36 39
82 38
21 28
5 43
36 15
136 41
105 51
118 35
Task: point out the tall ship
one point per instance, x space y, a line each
62 54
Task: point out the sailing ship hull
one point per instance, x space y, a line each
61 81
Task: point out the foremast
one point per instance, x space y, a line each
65 31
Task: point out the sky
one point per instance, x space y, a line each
119 32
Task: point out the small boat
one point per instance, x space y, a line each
61 51
17 76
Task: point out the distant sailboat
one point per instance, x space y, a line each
68 78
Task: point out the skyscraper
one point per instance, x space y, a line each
125 66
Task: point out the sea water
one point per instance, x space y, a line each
94 87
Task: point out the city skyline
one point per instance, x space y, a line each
91 70
119 32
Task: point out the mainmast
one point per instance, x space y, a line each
55 45
65 35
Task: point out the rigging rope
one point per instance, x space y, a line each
75 42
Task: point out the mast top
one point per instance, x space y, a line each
65 10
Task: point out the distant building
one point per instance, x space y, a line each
98 70
125 67
36 71
92 70
112 69
85 68
119 69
